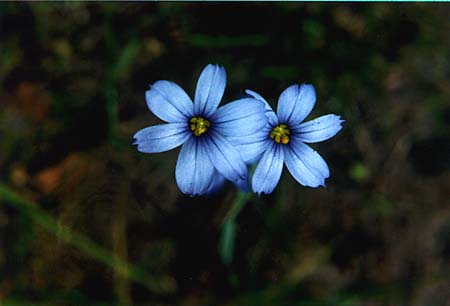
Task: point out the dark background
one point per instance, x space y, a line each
72 83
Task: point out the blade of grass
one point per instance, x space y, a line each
119 60
119 246
154 284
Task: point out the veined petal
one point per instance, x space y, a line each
305 164
295 103
216 183
219 180
251 147
210 89
273 119
161 137
252 152
240 118
225 158
261 135
319 129
194 172
268 171
169 102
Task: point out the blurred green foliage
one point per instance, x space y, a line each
87 220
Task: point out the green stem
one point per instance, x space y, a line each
228 233
238 203
39 216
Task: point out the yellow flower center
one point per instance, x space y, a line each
280 133
199 125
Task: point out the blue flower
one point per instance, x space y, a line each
284 138
207 157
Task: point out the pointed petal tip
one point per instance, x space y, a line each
215 66
307 84
339 118
320 129
262 194
191 195
254 95
317 185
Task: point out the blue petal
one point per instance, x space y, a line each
210 88
305 164
169 102
162 137
219 180
253 146
252 152
268 171
273 119
319 129
295 103
240 118
225 158
194 172
216 183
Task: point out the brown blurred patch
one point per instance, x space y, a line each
349 21
154 47
19 176
31 100
67 175
5 288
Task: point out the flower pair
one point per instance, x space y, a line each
218 143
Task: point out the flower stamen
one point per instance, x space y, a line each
199 125
280 133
